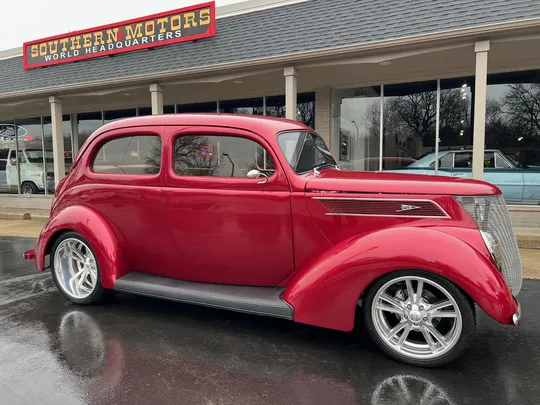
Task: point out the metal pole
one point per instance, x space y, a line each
381 134
264 105
437 129
44 157
17 156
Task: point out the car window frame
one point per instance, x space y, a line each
500 156
94 147
279 181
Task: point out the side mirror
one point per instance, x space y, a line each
13 161
255 174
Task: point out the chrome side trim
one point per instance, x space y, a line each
443 212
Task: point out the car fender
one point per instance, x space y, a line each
95 229
326 292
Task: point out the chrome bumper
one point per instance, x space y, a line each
517 316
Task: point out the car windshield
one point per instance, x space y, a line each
305 151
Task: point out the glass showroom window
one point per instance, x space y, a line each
275 107
513 116
87 124
410 121
116 115
358 128
168 109
197 108
455 128
245 106
33 159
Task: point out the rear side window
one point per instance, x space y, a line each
139 155
220 156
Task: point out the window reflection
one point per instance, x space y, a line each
456 124
513 115
246 106
410 118
359 128
275 107
197 108
87 124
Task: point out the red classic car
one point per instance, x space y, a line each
252 214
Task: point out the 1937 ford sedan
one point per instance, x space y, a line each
252 214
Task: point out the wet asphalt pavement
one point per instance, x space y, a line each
139 350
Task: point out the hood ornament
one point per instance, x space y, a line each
405 208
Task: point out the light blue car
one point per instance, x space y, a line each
518 183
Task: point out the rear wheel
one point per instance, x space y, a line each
75 270
419 318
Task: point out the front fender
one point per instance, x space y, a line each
326 292
88 223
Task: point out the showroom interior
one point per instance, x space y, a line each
381 103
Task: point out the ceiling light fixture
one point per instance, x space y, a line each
385 63
237 81
126 94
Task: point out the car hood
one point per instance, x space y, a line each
396 183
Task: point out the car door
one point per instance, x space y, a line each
224 227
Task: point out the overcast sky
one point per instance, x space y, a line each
27 20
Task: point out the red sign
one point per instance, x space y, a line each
185 24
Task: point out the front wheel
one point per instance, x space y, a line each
419 318
75 270
29 188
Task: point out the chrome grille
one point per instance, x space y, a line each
491 215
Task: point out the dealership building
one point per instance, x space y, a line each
384 82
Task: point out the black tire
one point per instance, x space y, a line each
465 305
29 187
99 294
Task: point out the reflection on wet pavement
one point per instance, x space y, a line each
142 351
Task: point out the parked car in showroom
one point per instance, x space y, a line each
518 183
252 214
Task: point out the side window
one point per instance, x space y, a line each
445 162
139 154
220 156
489 160
463 160
13 156
500 163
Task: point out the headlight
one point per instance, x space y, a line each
494 248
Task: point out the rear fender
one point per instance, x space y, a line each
326 292
93 227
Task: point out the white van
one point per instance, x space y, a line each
34 178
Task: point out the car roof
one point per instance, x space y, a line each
251 122
267 127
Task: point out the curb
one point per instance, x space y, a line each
24 216
528 241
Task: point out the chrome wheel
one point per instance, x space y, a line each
416 317
75 268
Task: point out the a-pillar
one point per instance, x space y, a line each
156 93
290 93
58 139
480 94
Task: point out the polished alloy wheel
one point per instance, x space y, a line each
75 268
416 317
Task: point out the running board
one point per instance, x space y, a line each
264 301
